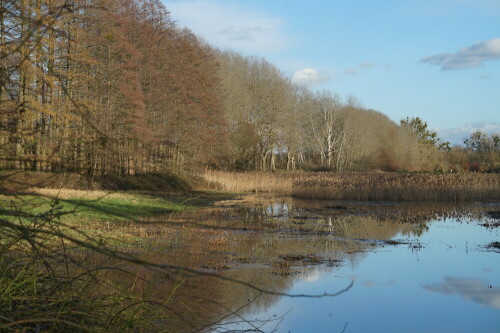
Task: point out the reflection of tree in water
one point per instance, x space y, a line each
273 246
274 211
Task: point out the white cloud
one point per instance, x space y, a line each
310 77
468 57
470 289
457 135
229 25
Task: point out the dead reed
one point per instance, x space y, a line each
270 182
362 186
398 187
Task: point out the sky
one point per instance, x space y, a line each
434 59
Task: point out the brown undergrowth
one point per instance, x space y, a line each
19 181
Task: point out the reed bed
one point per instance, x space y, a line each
398 187
362 186
268 182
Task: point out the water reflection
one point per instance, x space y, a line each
312 247
470 289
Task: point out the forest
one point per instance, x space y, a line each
114 87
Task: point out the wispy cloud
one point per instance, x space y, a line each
366 65
359 68
230 25
470 289
245 33
351 71
457 135
310 77
468 57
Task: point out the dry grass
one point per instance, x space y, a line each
65 194
362 186
270 182
398 187
72 194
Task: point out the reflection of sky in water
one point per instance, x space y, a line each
441 287
470 289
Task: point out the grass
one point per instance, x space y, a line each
54 279
258 182
102 205
127 221
363 186
46 284
36 299
104 215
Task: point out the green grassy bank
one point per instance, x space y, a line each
67 260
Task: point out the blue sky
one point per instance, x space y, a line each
435 59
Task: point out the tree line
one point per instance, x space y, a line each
104 86
115 87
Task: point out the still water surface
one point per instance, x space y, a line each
426 268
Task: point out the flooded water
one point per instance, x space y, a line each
441 281
395 267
